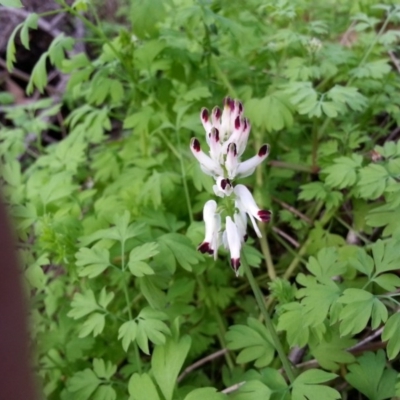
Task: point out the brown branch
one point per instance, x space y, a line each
201 362
233 388
293 210
294 242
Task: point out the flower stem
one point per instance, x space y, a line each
267 253
128 303
268 322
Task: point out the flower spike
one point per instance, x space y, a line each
227 133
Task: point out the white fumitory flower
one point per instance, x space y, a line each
227 133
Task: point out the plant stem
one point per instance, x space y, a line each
128 303
268 322
183 174
267 253
221 326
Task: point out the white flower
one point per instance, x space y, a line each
223 187
234 243
245 203
212 221
227 133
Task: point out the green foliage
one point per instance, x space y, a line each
371 377
107 199
306 386
255 342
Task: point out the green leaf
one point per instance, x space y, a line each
196 94
362 262
176 248
253 390
38 76
389 282
30 22
105 392
371 378
318 300
373 181
373 69
140 253
83 304
102 369
105 298
151 327
391 334
318 191
273 112
127 332
290 320
360 306
386 256
141 387
205 393
167 361
348 95
34 273
94 324
331 351
306 386
343 173
151 287
57 49
255 342
83 384
326 265
94 261
145 15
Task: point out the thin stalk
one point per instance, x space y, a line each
221 326
267 254
359 235
268 322
183 174
314 146
128 303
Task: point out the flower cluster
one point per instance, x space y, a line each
227 132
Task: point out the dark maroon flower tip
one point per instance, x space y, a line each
264 149
216 131
227 101
245 237
232 147
223 184
204 114
245 123
240 105
265 215
196 145
235 263
217 112
232 104
238 122
205 248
